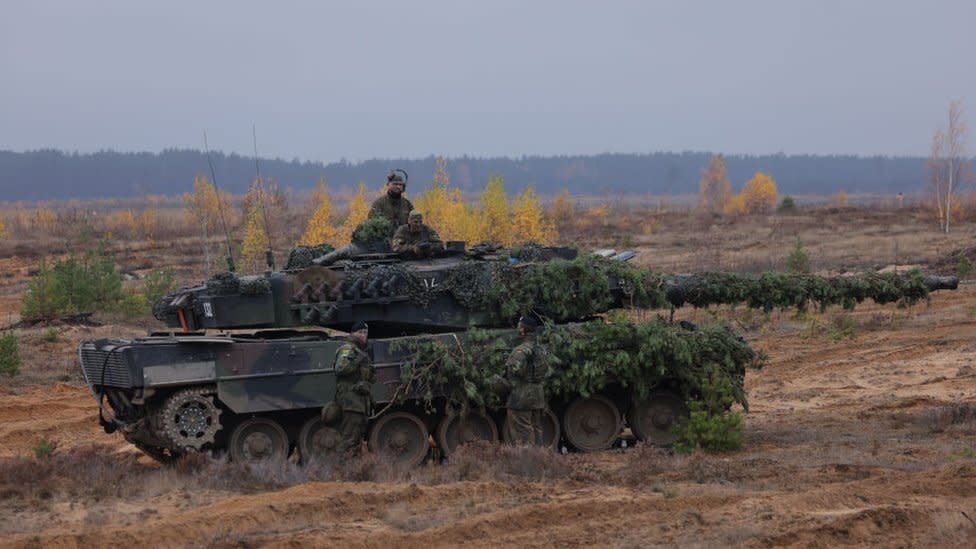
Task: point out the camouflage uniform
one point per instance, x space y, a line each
528 367
394 209
354 378
405 240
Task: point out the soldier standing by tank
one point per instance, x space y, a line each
416 237
354 380
527 367
393 205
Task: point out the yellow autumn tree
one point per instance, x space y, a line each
446 211
207 209
736 205
435 203
255 240
320 228
759 195
494 214
562 212
839 200
358 210
714 190
3 229
149 222
122 223
597 216
44 219
528 222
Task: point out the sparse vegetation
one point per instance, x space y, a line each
74 285
158 283
711 426
965 267
9 354
798 262
50 334
43 448
787 205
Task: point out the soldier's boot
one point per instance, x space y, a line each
352 429
538 419
520 426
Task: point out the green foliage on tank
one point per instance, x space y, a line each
587 358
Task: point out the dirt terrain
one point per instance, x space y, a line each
861 431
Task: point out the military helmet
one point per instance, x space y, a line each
528 323
398 176
415 214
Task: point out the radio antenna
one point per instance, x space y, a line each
220 205
269 253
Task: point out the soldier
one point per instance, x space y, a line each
417 238
354 379
393 205
527 367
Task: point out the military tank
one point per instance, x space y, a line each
440 328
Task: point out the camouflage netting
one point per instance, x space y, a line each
227 283
587 358
372 230
301 257
567 290
770 291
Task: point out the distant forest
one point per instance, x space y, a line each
56 175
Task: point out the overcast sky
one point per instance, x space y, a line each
331 80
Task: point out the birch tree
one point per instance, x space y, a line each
948 168
715 189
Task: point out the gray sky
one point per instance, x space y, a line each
331 80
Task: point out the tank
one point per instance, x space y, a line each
440 329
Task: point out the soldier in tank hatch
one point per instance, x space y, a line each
355 375
393 205
527 367
417 238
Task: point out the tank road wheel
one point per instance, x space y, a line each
455 430
191 418
318 441
653 418
591 423
259 440
400 437
550 430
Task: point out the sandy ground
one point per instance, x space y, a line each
863 441
847 442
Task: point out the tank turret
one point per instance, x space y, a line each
488 286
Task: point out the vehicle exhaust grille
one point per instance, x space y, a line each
116 372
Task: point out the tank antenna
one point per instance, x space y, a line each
220 206
269 253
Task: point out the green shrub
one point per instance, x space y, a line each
965 267
73 286
43 448
131 304
50 334
798 260
711 426
9 354
842 327
158 283
787 205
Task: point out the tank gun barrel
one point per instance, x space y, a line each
451 293
935 283
783 290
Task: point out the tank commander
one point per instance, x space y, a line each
527 368
417 238
355 375
393 205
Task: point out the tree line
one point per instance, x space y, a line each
54 175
